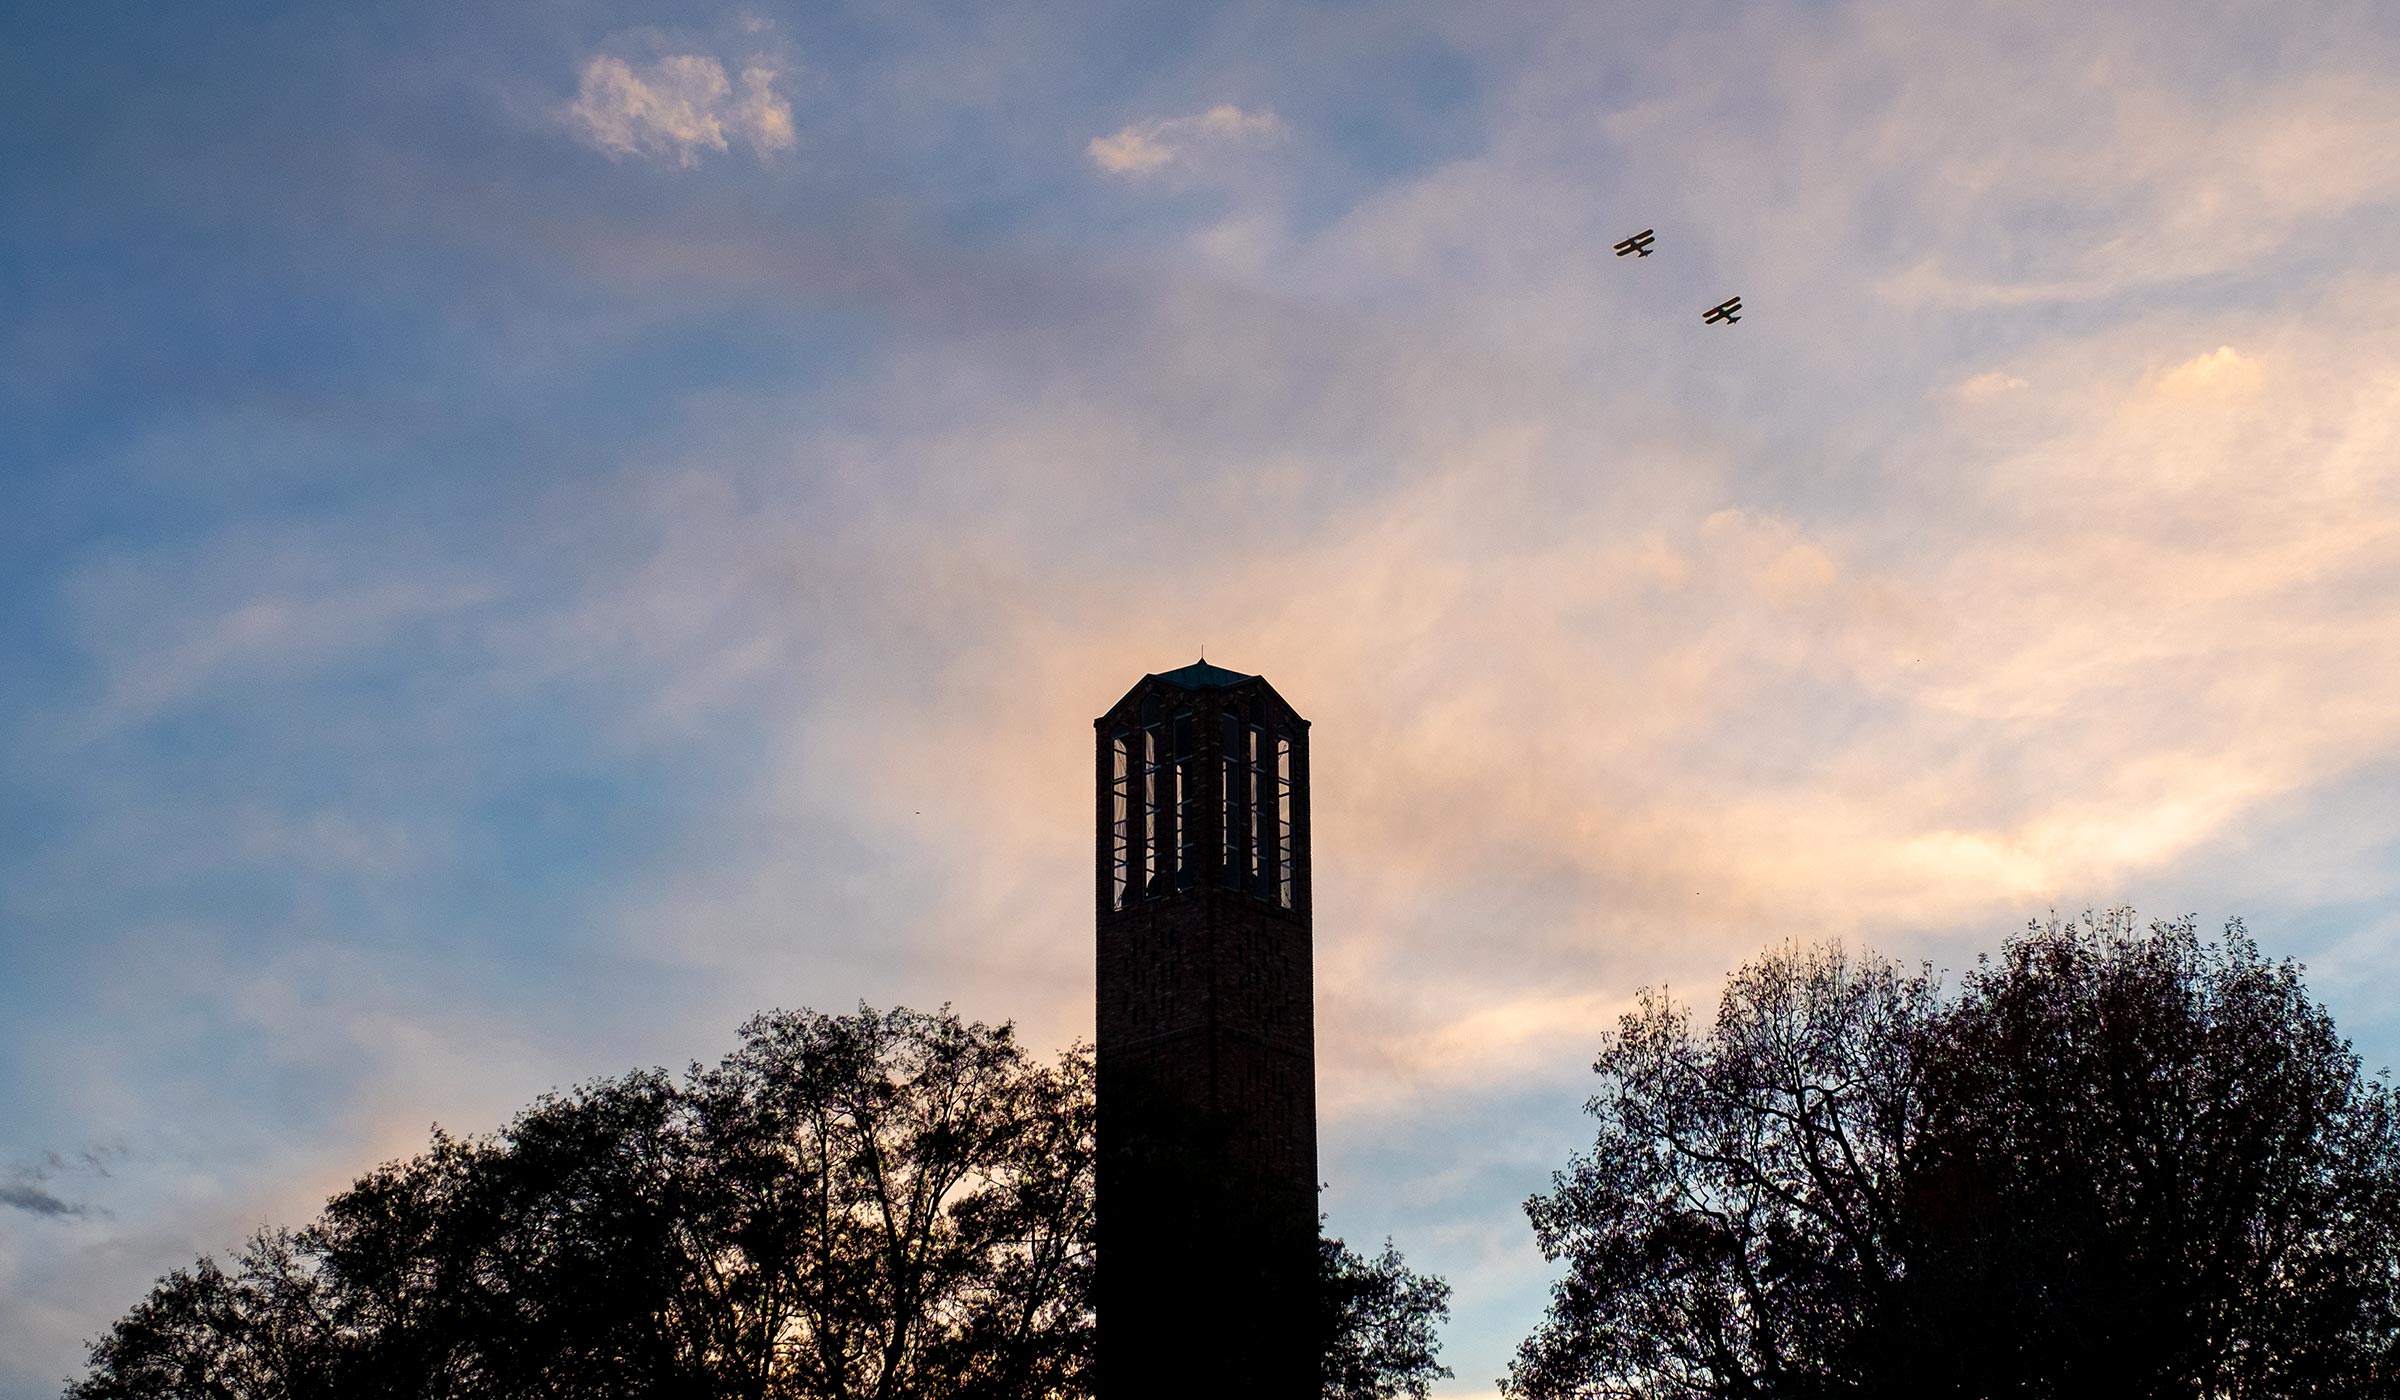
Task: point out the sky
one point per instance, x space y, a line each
530 532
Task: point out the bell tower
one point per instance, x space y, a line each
1206 1043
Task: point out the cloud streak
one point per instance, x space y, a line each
32 1198
24 1188
1149 148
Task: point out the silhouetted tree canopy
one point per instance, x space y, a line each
1383 1322
2109 1163
894 1205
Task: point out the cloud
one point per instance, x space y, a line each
237 618
1145 148
2223 373
1990 384
1975 158
679 108
31 1197
22 1187
2119 179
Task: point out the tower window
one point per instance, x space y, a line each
1239 847
1165 834
1186 760
1157 793
1283 822
1257 808
1121 828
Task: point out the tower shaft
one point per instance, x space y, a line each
1205 1043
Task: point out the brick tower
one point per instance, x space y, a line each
1206 1046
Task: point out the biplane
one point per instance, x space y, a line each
1728 311
1639 244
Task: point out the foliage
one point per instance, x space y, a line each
883 1204
2111 1162
1383 1321
894 1205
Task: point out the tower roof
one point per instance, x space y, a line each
1202 676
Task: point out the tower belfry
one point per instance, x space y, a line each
1206 1042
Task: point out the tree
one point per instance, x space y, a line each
2175 1142
907 1203
886 1204
1383 1322
895 1205
2110 1162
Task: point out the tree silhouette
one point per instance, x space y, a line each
1382 1322
2111 1163
887 1205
